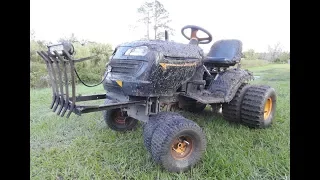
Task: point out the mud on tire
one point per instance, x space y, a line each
231 110
258 106
153 123
178 144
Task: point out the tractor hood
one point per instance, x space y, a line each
169 48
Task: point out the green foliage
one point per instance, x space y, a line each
250 55
274 55
91 71
34 47
38 75
282 58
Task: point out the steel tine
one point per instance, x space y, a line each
50 78
57 102
65 107
62 100
56 98
54 84
66 102
71 62
65 65
70 110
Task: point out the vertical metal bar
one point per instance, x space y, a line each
66 106
50 78
56 102
64 63
72 82
62 101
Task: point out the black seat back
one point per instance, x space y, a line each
225 53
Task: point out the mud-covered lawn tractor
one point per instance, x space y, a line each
145 80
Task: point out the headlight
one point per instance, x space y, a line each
137 51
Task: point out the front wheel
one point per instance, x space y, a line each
119 120
178 144
153 123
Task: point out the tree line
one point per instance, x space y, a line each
275 54
153 17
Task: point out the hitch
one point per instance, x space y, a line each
60 64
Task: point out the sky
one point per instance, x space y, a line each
257 23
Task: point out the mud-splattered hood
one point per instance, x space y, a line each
169 48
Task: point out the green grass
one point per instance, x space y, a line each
83 147
253 63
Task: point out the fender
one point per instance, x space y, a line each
227 83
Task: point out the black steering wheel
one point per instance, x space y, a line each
194 30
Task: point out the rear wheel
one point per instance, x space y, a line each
231 110
178 144
258 106
119 120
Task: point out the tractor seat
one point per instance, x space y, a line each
224 53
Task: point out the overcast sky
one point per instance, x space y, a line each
257 23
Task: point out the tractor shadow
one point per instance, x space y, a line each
206 116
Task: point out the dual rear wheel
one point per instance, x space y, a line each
253 106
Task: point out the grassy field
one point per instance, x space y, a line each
85 148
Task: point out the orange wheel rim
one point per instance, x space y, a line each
181 147
267 108
119 118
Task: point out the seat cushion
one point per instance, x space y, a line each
219 61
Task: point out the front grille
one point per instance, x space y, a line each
125 66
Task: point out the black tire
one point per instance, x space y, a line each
258 106
153 123
165 140
231 111
194 106
119 121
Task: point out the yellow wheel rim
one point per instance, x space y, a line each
267 108
181 147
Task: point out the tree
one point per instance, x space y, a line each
274 52
283 57
155 13
71 39
145 10
32 35
161 20
250 55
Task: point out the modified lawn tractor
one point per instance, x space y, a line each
145 80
